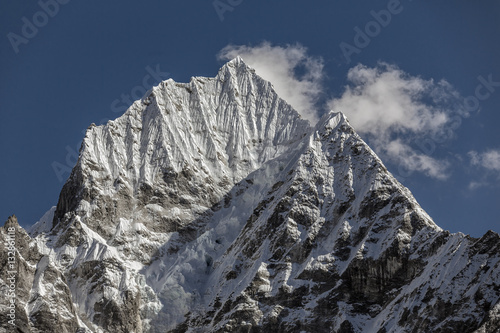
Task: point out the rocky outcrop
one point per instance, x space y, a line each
33 286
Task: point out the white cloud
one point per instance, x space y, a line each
473 185
280 66
392 108
489 160
411 160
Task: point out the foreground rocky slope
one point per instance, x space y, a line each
212 206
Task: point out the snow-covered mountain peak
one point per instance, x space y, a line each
211 206
331 120
188 142
239 64
231 120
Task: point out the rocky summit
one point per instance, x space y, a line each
211 206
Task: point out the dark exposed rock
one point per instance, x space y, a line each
34 312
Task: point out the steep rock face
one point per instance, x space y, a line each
338 245
35 287
212 207
338 231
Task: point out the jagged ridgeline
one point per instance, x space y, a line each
211 206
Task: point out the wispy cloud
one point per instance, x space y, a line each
392 108
295 75
488 165
489 160
474 185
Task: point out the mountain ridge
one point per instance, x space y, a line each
212 206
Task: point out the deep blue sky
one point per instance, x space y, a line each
67 76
